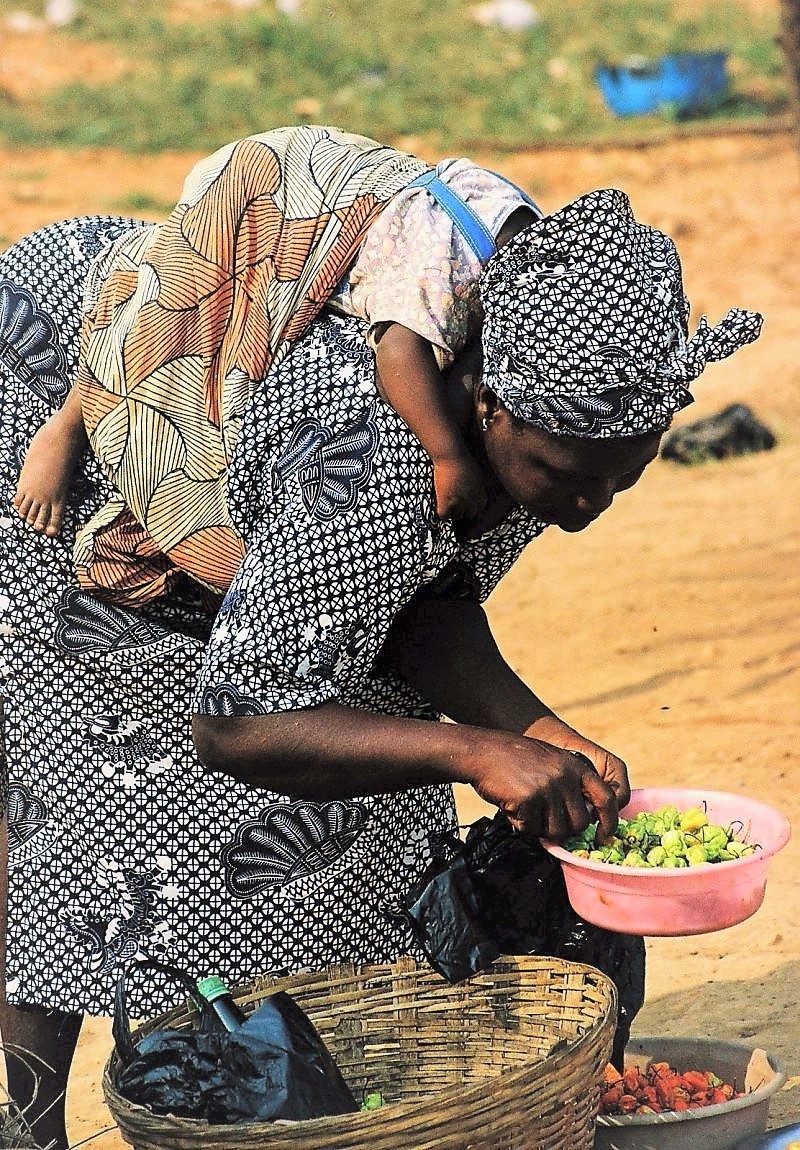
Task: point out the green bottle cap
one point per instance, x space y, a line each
212 987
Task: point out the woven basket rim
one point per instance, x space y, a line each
389 1110
536 1065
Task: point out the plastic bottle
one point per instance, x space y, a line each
215 992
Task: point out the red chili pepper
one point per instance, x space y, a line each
694 1081
660 1088
634 1080
650 1096
610 1099
665 1092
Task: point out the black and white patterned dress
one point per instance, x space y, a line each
120 845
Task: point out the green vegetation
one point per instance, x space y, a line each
419 69
143 205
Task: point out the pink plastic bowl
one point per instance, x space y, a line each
693 900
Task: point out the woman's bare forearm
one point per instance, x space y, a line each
446 650
336 751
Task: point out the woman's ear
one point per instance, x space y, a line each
486 405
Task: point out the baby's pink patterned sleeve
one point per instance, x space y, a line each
415 269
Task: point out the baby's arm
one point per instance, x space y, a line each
409 379
51 458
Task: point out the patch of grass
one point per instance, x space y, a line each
144 205
27 173
390 71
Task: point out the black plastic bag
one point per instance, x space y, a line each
732 431
274 1066
499 892
443 913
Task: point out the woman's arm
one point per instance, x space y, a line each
338 751
446 650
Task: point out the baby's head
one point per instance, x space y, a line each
586 323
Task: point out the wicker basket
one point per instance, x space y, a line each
510 1060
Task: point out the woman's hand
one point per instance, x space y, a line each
550 729
546 791
334 751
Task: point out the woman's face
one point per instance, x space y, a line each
562 480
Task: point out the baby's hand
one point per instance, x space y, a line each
460 488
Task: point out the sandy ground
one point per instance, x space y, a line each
668 630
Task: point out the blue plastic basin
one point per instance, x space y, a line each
774 1140
685 83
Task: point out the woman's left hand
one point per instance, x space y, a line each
550 729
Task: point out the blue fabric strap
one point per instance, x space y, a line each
471 227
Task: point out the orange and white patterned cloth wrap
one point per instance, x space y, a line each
183 319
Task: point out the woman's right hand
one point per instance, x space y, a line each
546 792
336 752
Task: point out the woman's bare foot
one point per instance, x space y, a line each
45 477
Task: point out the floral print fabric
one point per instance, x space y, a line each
188 319
416 268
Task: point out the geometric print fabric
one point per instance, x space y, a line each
585 328
342 536
121 845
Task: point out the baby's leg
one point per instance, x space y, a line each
41 281
44 480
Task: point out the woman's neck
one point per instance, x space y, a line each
462 380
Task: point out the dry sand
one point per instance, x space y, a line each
667 631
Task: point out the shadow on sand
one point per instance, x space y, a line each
754 1011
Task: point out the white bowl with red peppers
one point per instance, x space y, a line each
753 1075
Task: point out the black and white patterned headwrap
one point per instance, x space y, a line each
586 324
